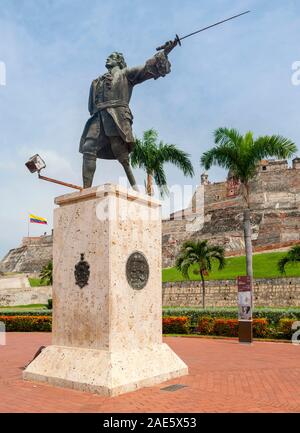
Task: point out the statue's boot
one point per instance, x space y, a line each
129 174
88 170
121 154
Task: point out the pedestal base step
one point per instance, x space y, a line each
105 373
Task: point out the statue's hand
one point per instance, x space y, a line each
168 47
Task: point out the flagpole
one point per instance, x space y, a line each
28 225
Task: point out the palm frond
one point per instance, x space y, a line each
150 137
138 156
161 180
217 252
224 136
241 154
185 266
273 145
151 156
201 254
293 256
179 158
222 155
282 263
46 273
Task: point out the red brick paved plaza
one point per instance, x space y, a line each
225 376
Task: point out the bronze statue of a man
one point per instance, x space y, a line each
108 132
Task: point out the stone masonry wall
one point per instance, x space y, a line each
31 256
275 292
26 296
275 213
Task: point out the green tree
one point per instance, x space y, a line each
46 274
201 254
292 256
241 155
151 156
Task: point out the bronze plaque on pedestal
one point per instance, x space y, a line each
137 270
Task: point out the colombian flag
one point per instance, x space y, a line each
37 219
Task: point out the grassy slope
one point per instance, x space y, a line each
37 282
264 266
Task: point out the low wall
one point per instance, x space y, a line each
14 282
25 296
273 292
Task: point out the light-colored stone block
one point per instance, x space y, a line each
107 336
104 372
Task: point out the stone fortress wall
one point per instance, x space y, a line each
271 292
31 256
275 205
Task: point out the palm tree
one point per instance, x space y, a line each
241 155
151 156
202 254
292 256
46 273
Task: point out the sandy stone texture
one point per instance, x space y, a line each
107 336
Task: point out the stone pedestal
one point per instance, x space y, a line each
107 295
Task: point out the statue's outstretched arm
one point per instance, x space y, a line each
157 66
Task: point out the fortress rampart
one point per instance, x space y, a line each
275 216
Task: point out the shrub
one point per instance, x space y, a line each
176 325
261 328
49 305
27 323
226 327
273 315
46 274
285 328
4 312
205 325
229 327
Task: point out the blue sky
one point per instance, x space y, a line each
236 75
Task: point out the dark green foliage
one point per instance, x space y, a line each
46 274
4 312
151 155
201 254
285 328
240 154
272 314
292 257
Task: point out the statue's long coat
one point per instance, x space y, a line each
114 91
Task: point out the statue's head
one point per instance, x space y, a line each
115 59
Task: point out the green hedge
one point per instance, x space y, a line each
25 312
221 322
225 327
273 315
285 328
